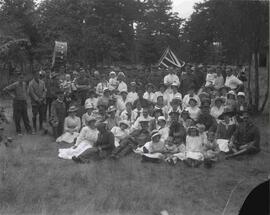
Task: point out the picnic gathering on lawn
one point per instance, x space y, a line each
192 115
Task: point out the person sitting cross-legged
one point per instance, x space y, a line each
102 148
136 138
246 139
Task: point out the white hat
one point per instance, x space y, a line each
125 122
89 105
155 133
175 84
121 73
241 94
231 92
106 89
112 73
161 118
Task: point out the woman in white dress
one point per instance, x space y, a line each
72 126
86 139
218 107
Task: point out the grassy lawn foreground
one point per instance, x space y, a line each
34 181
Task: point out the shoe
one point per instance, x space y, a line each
76 159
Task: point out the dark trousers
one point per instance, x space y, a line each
125 148
93 153
20 111
37 109
58 130
48 107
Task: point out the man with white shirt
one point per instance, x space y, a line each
231 80
171 78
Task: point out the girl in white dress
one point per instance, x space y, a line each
193 109
72 126
86 139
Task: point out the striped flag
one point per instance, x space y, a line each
168 59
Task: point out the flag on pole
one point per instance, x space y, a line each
168 59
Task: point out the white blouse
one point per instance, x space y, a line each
87 134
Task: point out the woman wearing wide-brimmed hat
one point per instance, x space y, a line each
193 109
218 107
72 126
225 129
86 139
120 132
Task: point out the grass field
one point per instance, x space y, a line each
34 181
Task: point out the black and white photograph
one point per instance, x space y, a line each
134 107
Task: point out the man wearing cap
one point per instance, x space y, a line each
231 80
37 93
246 139
241 104
122 85
18 91
136 138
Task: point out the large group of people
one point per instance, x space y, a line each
194 114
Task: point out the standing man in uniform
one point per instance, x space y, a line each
37 93
18 92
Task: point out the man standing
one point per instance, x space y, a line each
37 92
18 91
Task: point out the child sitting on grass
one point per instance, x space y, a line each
211 149
194 148
153 150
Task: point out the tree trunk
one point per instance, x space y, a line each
256 79
267 90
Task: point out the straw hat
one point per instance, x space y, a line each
125 122
155 133
72 108
111 109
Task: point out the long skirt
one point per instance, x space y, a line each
67 137
70 152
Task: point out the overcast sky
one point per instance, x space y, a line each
184 7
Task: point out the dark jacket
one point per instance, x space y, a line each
105 141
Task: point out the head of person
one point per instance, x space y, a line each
132 86
20 77
72 111
68 78
226 115
36 76
185 115
223 91
190 122
140 93
241 97
219 102
91 93
155 136
204 95
229 71
124 94
171 70
145 112
175 104
188 68
231 95
89 108
157 113
218 70
174 87
193 131
111 111
101 108
138 106
211 136
192 102
124 124
106 92
121 76
244 117
112 74
60 95
161 121
128 106
144 124
96 74
160 100
191 90
205 109
201 128
162 88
